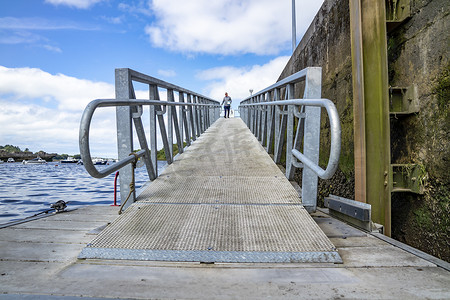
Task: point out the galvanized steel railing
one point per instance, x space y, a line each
271 117
187 119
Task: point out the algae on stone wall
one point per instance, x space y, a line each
418 55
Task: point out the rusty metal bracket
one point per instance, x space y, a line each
397 12
403 100
407 178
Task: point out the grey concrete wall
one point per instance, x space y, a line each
418 54
327 44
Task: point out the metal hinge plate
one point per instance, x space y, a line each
397 12
403 100
407 178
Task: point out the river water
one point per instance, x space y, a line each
26 190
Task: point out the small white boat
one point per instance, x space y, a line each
10 160
99 161
34 161
69 160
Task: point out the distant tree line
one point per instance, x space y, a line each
16 149
11 148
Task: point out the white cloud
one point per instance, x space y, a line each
52 48
19 37
113 20
69 93
140 8
227 27
238 81
40 24
167 73
81 4
42 111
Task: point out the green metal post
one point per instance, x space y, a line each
371 108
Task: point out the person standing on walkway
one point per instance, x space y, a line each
226 104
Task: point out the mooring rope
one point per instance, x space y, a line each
132 185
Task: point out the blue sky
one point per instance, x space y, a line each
58 55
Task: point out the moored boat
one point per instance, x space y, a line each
34 161
69 160
10 160
99 161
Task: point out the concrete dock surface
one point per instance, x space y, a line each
39 259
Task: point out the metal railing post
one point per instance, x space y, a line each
270 123
277 123
259 118
204 117
290 133
253 117
170 98
280 135
184 126
313 90
124 133
264 121
176 127
196 117
192 134
153 91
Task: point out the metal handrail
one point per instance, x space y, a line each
335 130
85 128
270 115
187 119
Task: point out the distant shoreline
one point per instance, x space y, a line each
26 155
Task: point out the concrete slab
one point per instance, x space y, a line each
49 224
358 241
46 252
384 256
39 235
353 279
335 228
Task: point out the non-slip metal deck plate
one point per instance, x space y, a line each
220 189
223 200
213 233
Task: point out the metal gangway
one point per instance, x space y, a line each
223 199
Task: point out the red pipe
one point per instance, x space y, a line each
115 189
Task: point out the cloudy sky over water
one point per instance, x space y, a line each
58 55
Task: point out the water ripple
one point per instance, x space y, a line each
26 190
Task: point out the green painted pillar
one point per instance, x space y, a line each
371 108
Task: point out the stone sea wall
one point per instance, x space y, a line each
418 51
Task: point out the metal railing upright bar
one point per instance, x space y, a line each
278 120
185 122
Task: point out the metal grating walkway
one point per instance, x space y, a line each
223 200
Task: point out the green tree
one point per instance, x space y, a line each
10 148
